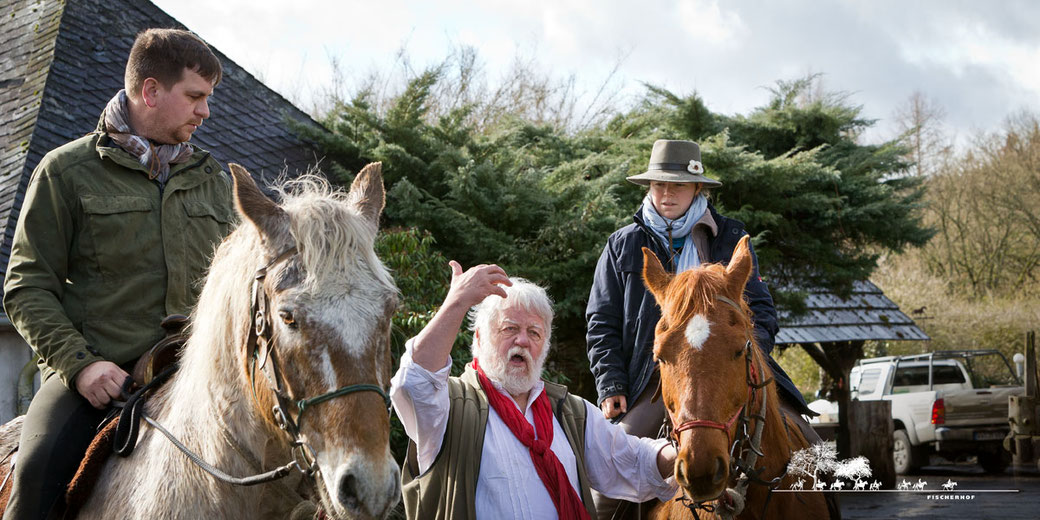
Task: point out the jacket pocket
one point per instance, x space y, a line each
198 208
204 228
124 233
207 220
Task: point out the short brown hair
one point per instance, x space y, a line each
163 54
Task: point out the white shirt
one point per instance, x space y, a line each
508 486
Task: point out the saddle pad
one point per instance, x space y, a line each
89 469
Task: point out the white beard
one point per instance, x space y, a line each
515 380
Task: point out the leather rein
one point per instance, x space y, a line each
261 349
745 450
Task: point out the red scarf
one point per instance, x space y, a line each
549 468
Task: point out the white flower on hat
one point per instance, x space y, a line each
695 167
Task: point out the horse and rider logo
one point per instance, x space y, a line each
818 462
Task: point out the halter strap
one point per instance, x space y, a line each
732 303
260 333
744 452
706 423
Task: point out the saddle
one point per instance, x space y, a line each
164 353
119 434
148 373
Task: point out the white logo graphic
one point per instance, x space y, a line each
818 468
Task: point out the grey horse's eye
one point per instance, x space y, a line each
287 318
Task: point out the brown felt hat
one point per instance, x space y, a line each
674 161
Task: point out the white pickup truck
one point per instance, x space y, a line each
950 403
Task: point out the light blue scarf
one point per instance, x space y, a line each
681 227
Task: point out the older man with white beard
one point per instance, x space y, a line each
498 442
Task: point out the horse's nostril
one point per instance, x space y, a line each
680 472
348 496
720 470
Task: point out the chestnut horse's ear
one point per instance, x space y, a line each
367 194
740 267
252 204
654 275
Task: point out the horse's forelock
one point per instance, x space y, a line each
692 292
329 232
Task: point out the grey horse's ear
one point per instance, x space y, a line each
252 204
367 194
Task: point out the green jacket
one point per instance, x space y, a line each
447 491
101 254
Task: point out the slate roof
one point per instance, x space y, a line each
866 315
60 63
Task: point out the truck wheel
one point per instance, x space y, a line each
994 461
905 456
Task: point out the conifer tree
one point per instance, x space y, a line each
541 200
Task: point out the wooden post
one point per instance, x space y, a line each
870 432
1030 382
1023 415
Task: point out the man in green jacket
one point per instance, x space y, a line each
116 231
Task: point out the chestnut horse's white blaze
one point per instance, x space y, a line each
329 311
697 331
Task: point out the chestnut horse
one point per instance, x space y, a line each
294 317
733 442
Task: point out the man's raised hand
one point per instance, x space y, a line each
478 282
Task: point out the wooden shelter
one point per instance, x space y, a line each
833 331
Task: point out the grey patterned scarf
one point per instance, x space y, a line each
157 157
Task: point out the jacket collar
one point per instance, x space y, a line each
107 149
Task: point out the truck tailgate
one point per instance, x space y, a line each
978 406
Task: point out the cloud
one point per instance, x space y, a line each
977 61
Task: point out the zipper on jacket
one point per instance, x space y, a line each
657 241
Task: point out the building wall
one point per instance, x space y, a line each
14 354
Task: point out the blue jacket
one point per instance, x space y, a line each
622 314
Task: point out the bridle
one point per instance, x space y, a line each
261 349
745 450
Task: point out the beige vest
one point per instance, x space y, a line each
447 491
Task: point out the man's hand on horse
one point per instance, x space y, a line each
478 282
614 405
100 382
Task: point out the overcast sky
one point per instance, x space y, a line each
980 61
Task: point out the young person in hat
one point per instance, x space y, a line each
679 224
